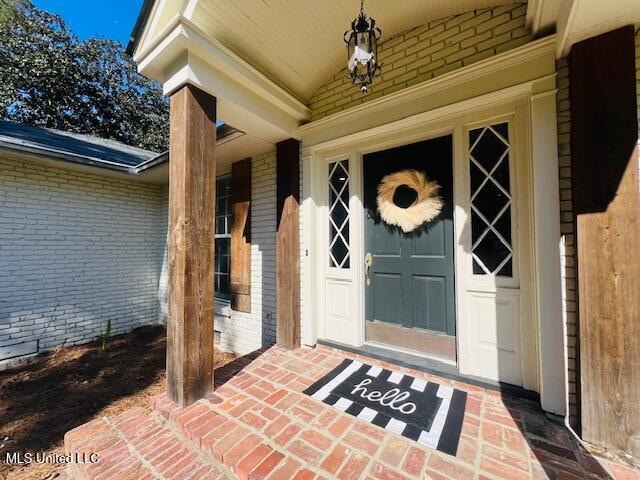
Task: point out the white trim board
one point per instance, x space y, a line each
183 53
376 140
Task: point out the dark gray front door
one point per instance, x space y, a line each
410 291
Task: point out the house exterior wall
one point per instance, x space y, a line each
244 332
76 250
567 243
428 51
237 331
163 280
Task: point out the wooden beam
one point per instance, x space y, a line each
241 236
192 183
606 197
288 244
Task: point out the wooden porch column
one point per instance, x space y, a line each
192 176
606 197
288 244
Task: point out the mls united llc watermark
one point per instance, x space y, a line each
20 458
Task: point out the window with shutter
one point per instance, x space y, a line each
222 282
240 284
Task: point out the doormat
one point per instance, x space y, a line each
426 412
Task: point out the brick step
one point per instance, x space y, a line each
139 445
241 448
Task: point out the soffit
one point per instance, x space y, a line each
298 44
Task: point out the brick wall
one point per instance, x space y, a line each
163 280
244 332
76 250
429 51
567 244
237 331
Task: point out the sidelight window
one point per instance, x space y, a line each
491 200
339 214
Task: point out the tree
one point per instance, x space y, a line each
120 103
51 78
8 10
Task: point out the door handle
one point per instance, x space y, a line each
368 261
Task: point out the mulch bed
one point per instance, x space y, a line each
67 387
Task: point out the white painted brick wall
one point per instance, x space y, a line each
245 332
76 250
163 280
429 51
567 229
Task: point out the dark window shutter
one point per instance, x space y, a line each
241 236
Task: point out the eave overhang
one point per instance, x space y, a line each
182 53
141 21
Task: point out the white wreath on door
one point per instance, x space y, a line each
424 208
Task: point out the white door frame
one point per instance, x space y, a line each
348 285
520 103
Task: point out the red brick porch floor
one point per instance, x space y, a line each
259 425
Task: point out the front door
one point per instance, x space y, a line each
410 297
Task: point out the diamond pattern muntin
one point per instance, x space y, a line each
474 134
502 129
503 225
488 149
490 200
339 214
477 268
478 226
491 249
507 269
476 176
501 175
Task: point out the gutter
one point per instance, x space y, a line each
224 133
143 16
67 157
87 161
152 162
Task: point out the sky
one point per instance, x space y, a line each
113 19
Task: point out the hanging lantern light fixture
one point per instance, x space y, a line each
362 50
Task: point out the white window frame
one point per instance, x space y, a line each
223 295
346 225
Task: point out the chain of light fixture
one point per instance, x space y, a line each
362 50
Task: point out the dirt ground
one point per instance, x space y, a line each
62 389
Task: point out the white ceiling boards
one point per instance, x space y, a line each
299 45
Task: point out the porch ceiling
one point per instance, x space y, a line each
298 44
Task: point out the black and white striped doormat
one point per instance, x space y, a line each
426 412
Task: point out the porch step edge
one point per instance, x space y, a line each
136 444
